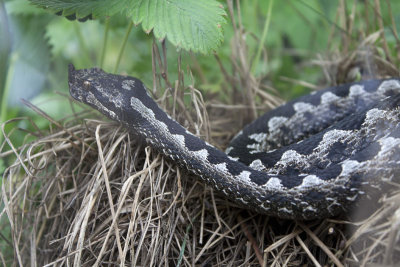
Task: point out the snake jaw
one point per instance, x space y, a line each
74 89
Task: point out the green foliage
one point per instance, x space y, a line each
22 7
190 24
96 8
30 57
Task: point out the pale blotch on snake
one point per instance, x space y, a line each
312 157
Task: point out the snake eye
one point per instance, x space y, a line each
86 85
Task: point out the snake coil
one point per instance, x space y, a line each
310 158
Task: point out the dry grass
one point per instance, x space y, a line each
88 193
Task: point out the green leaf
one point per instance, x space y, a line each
190 24
96 8
22 7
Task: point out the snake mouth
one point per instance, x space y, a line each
71 73
75 89
72 80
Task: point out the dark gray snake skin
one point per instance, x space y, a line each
310 158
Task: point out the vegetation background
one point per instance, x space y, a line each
286 48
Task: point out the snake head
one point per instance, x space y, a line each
108 93
82 82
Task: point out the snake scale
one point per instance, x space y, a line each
312 157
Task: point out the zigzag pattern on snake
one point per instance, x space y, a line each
310 158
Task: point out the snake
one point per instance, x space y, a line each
312 157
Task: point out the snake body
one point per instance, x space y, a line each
310 158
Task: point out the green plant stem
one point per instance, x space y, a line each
263 36
5 49
7 85
182 250
82 43
121 52
105 38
